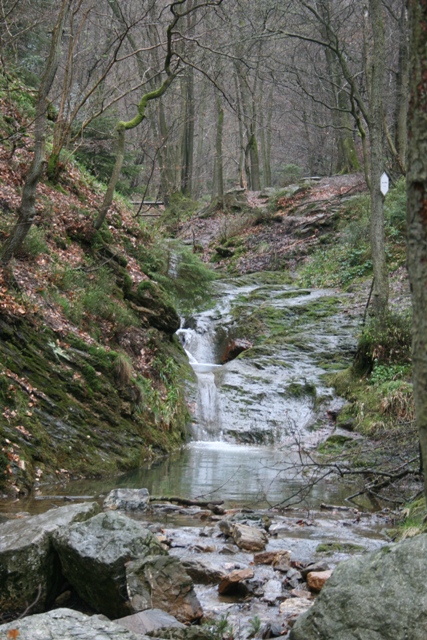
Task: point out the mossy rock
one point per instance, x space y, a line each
164 317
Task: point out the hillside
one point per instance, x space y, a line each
91 376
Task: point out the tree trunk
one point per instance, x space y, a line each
27 211
187 145
402 82
346 160
417 214
380 293
218 190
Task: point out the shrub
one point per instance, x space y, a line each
385 340
291 173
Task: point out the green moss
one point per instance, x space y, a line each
76 416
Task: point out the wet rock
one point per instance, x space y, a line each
161 582
275 558
378 595
145 622
203 571
249 538
127 499
229 549
293 578
234 582
64 624
28 559
272 591
95 553
316 580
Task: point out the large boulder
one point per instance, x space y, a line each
379 596
29 567
94 554
65 624
161 582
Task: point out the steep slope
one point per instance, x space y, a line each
91 375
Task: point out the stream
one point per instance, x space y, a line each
254 419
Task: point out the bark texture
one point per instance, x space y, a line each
417 213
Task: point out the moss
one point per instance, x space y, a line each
67 400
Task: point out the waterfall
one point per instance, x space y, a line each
199 344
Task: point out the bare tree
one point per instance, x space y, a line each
26 211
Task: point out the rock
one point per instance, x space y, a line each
378 596
203 571
272 591
271 630
316 580
229 549
226 527
65 624
95 553
274 558
150 620
293 578
300 593
155 305
296 606
194 632
234 582
28 559
162 582
234 348
314 566
127 499
249 538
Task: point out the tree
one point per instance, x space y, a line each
171 70
27 211
417 214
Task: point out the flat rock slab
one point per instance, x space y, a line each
94 554
161 582
127 499
147 621
377 596
66 624
28 559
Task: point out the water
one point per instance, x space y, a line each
248 429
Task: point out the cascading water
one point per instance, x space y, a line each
274 393
199 344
